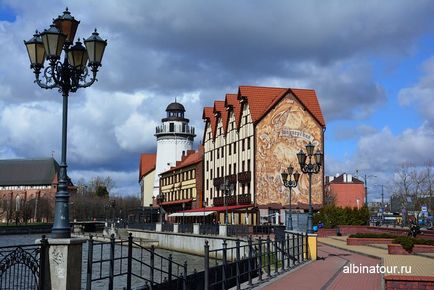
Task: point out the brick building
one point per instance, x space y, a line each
345 191
28 188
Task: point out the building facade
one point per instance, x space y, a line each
27 189
181 187
249 139
345 190
147 178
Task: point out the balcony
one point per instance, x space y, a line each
244 177
179 129
217 181
230 200
245 198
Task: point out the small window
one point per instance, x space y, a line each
235 147
210 193
223 151
172 128
230 149
218 153
248 143
248 165
243 145
243 165
207 165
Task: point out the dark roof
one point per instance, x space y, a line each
340 179
175 107
28 171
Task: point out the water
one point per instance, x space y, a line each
193 262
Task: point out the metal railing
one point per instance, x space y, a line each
119 264
209 229
256 259
24 266
143 226
238 230
167 227
185 228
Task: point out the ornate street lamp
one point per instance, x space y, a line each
227 190
312 167
290 183
78 70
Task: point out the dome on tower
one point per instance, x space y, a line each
175 107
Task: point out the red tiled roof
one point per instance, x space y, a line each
192 157
260 101
310 101
147 164
208 114
232 100
219 107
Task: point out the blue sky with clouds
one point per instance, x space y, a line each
371 63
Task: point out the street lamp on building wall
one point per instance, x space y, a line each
227 189
67 76
290 183
312 167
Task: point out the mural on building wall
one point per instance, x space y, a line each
280 136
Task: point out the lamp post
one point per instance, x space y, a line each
67 76
290 183
227 189
312 167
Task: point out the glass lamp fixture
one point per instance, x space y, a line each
53 40
95 46
67 24
36 51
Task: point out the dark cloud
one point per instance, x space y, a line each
196 51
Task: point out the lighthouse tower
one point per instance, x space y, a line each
174 138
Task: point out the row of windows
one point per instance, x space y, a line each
232 168
231 125
245 188
186 175
22 187
179 194
220 152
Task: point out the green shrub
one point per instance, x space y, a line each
408 242
373 235
333 216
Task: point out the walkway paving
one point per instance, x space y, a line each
421 265
335 256
327 273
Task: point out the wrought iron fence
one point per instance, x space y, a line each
243 263
128 264
185 228
167 227
238 230
209 229
143 226
24 266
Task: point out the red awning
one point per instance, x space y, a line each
219 208
177 201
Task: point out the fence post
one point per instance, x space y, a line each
237 243
293 249
268 257
287 251
89 263
282 252
307 246
298 248
169 270
152 262
260 258
276 259
130 260
206 266
184 279
112 261
250 260
225 261
42 263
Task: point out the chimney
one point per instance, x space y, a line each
349 178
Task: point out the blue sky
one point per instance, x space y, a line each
372 71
